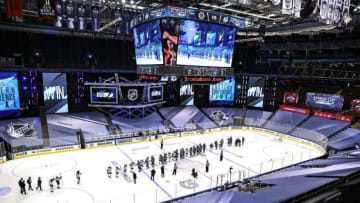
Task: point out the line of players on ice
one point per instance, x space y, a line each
167 157
52 182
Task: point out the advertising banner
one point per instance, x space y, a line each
291 98
104 95
55 92
323 114
355 106
9 94
295 110
47 9
343 118
326 101
155 93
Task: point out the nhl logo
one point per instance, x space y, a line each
18 130
132 94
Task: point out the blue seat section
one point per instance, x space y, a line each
230 112
345 140
35 140
62 128
93 116
182 116
150 122
323 126
256 117
284 121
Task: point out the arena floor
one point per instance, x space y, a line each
261 152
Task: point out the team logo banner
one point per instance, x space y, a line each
324 101
18 130
95 16
47 9
295 110
323 114
343 118
291 98
81 12
59 10
70 13
104 95
355 106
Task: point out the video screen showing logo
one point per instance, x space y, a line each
104 95
255 95
55 92
9 92
155 93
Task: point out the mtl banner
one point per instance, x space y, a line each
47 9
291 98
95 16
81 13
355 106
324 101
70 16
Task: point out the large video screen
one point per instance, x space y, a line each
255 95
170 30
148 46
104 95
155 94
205 44
186 94
55 92
9 94
222 93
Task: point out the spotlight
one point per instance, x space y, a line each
90 56
34 87
24 78
25 88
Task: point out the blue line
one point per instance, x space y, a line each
147 175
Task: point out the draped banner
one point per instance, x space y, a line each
14 8
70 16
117 14
81 13
345 12
324 6
297 8
275 6
47 9
59 10
95 16
287 7
337 12
326 101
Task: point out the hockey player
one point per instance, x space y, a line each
117 171
221 143
207 166
139 165
109 171
134 177
153 172
221 155
216 144
175 169
204 148
132 166
22 186
187 152
194 173
176 154
165 158
161 159
51 184
211 146
152 161
191 151
29 182
125 170
162 171
57 180
230 141
243 140
78 176
161 143
39 181
147 162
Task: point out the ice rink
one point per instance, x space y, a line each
261 152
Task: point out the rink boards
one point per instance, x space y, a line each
122 141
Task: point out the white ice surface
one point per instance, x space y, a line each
261 152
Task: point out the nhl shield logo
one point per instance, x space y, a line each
132 94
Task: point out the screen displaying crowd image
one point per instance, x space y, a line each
255 94
55 92
9 94
205 44
222 93
148 45
186 94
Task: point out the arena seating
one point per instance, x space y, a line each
230 112
320 125
345 140
284 121
151 122
183 116
256 117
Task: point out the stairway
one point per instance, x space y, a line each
270 117
167 123
300 125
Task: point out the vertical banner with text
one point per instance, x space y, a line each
47 9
